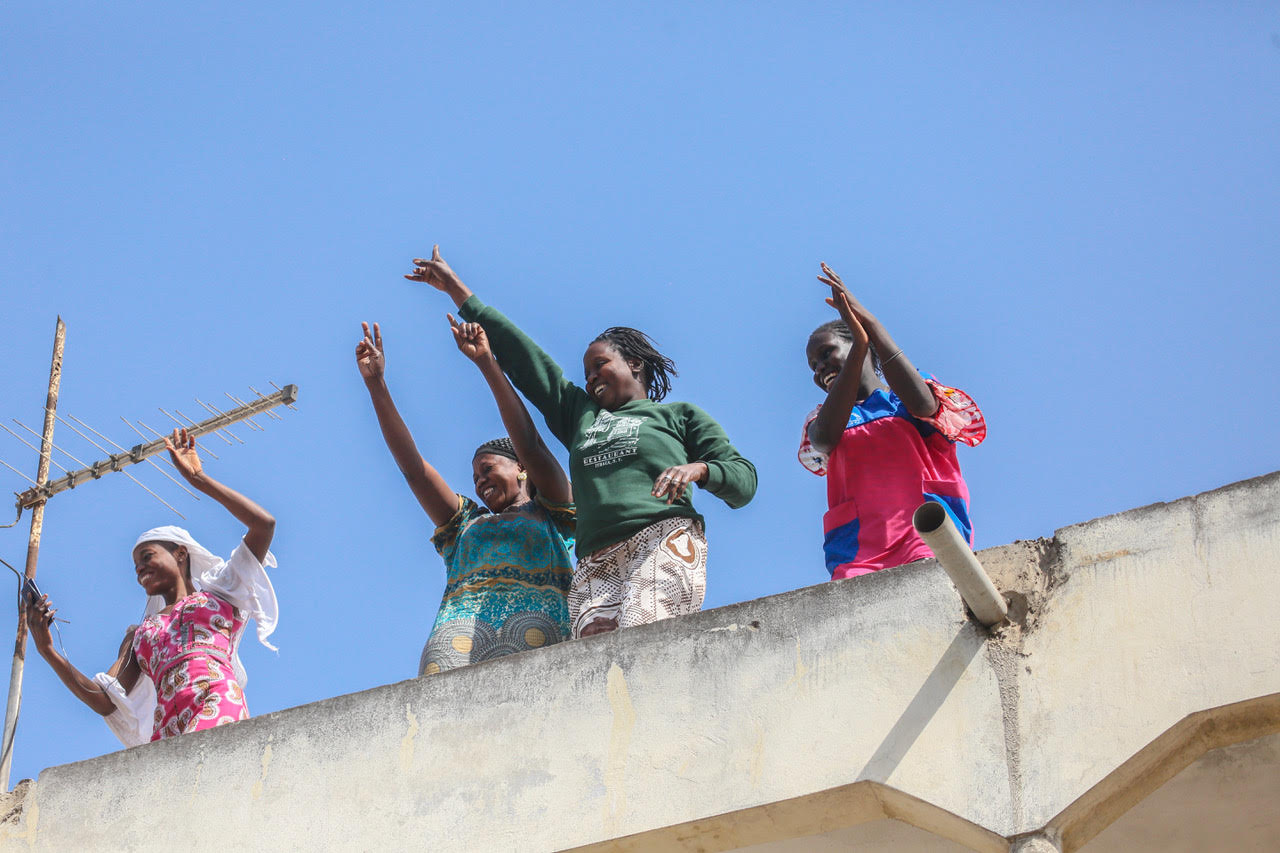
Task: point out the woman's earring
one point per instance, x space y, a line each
522 476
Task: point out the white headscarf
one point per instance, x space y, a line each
209 572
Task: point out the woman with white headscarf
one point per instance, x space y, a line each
179 671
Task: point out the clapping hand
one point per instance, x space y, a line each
851 310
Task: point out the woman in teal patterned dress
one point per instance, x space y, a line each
508 564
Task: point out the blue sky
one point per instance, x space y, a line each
1068 210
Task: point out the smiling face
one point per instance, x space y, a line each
159 568
497 480
612 380
827 353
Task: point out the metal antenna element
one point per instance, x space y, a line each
16 471
117 461
233 398
190 422
48 456
220 430
278 388
126 473
269 414
216 411
151 462
33 447
160 435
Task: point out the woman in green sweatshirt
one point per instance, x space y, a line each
642 554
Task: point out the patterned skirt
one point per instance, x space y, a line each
199 691
459 642
657 573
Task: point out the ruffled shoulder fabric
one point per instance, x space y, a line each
242 581
810 457
958 418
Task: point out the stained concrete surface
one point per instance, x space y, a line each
727 727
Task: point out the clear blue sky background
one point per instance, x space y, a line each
1069 210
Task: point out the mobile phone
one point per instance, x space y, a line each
32 592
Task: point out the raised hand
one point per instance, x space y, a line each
673 481
182 451
837 285
39 618
434 272
470 338
841 301
370 358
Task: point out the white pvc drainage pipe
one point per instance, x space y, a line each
939 532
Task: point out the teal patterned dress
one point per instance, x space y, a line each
507 576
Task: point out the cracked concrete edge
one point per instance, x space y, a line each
13 802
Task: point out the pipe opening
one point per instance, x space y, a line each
928 517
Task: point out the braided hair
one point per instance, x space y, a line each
633 343
504 446
841 330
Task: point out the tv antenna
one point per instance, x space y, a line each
42 488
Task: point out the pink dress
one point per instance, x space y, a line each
187 655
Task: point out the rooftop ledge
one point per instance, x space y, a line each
1141 648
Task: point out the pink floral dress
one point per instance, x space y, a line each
187 655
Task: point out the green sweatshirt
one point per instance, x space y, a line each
614 457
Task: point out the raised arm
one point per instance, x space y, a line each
261 524
125 669
843 393
431 490
535 373
435 272
898 371
541 464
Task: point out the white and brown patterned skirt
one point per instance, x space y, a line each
657 573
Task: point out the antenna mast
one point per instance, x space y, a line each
33 551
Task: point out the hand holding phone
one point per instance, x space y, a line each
32 592
35 599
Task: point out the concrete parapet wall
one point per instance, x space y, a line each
1123 627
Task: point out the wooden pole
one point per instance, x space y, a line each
33 551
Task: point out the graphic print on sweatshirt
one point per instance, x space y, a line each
611 438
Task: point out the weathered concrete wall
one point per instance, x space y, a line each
755 722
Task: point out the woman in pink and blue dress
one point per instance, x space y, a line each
179 671
885 438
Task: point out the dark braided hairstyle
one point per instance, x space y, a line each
841 330
498 447
504 446
633 343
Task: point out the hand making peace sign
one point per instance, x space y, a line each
369 355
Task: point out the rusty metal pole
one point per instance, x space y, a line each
33 551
